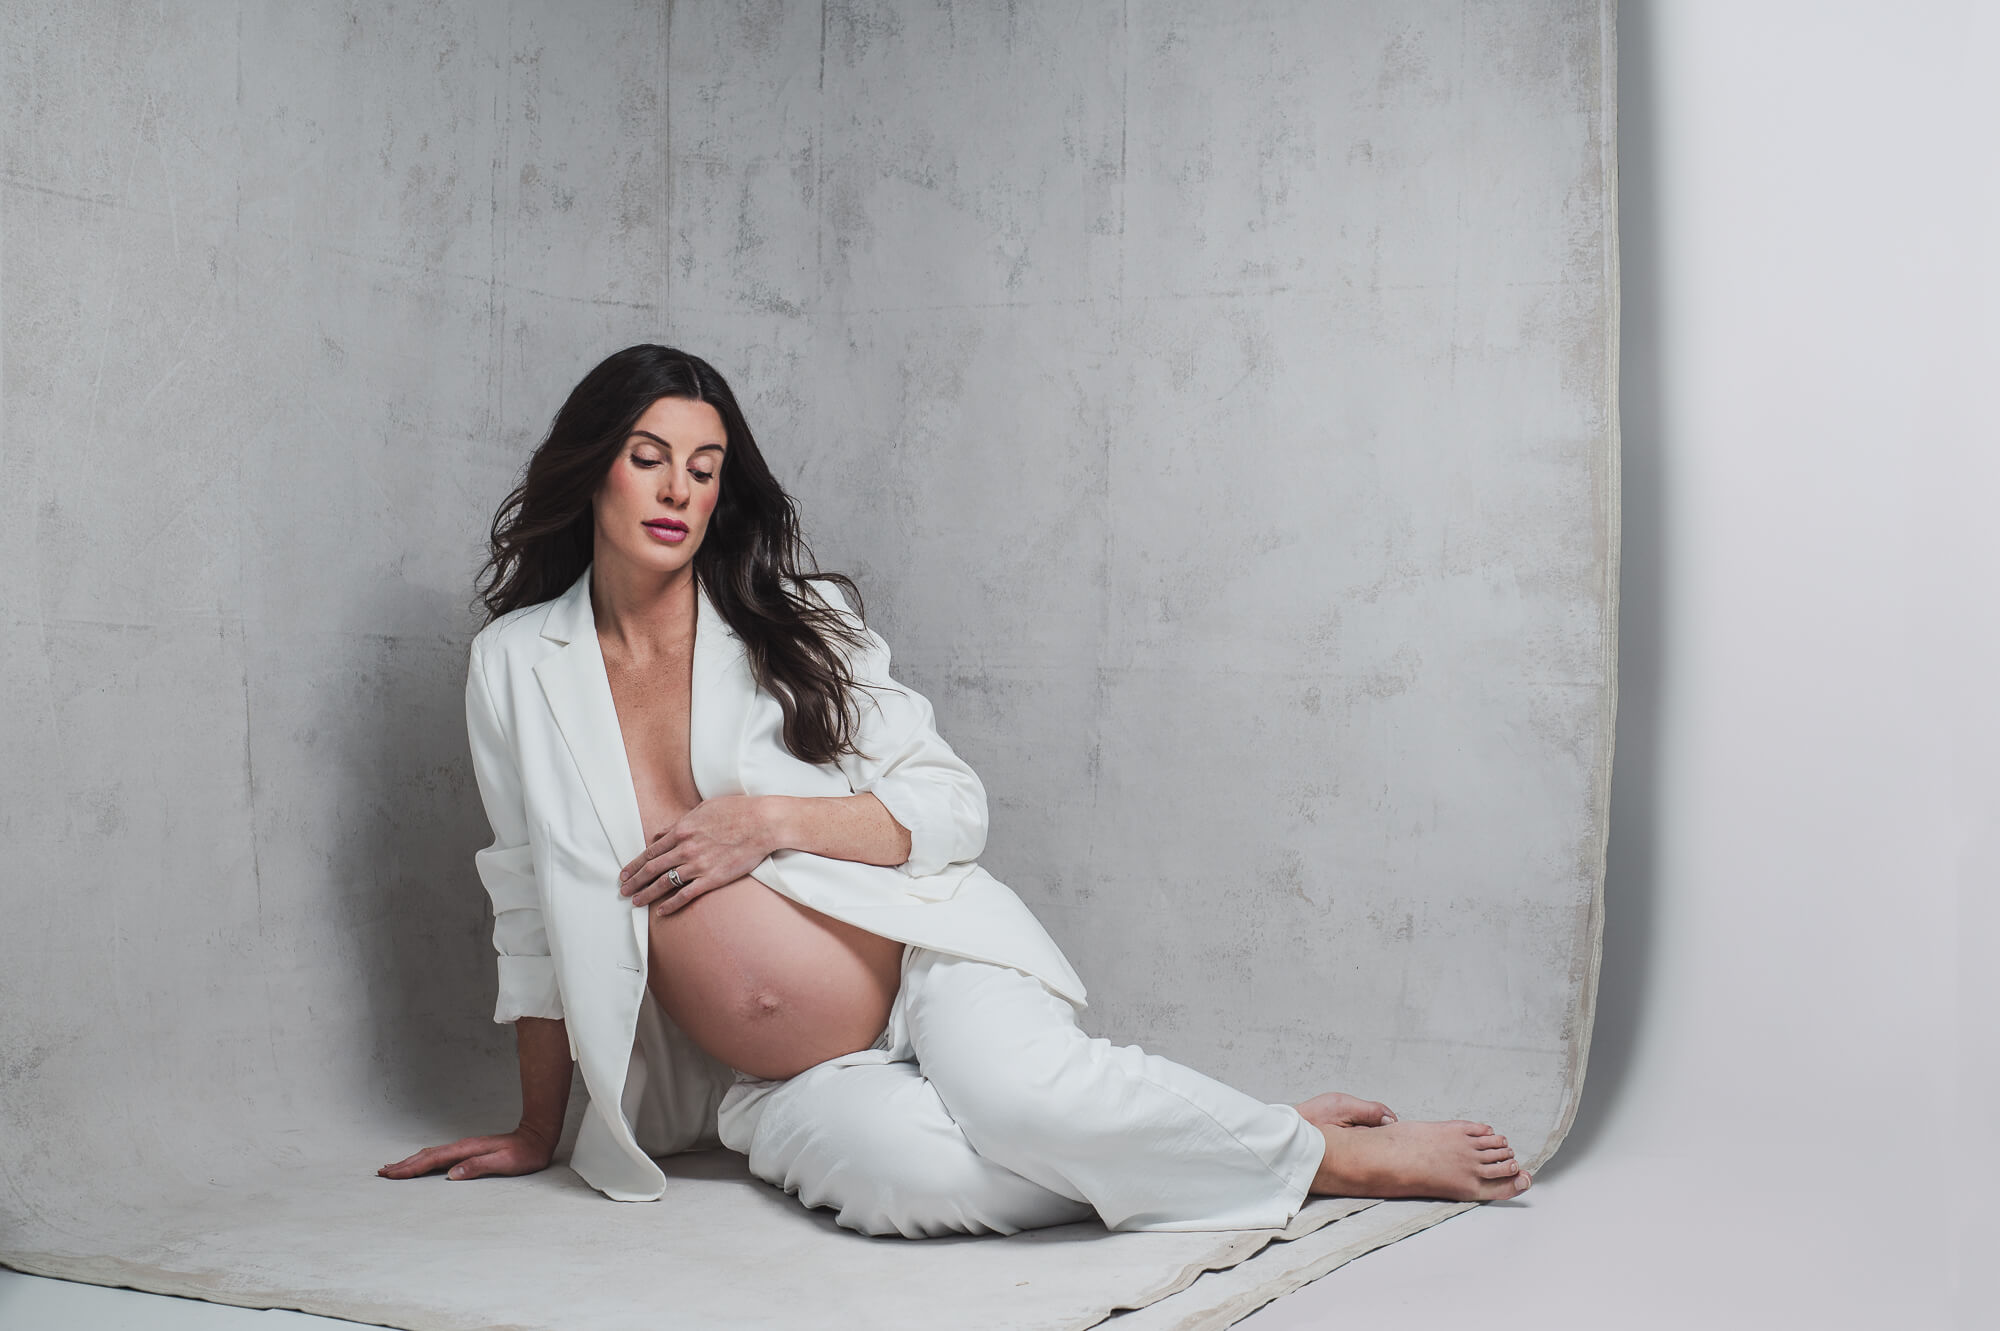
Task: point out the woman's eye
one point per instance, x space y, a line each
702 475
639 461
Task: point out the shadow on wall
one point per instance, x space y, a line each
1631 879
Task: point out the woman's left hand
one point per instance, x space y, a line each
714 844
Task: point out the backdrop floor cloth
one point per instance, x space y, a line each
719 1250
1214 403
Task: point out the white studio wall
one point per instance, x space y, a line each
1217 405
1814 443
1817 838
1799 1023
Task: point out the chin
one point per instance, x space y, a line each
669 559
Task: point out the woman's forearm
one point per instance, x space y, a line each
543 1045
845 827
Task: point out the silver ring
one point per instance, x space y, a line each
674 876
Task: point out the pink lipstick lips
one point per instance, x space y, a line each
667 530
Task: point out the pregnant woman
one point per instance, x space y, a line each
734 880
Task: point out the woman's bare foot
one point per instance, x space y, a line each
1454 1161
1334 1110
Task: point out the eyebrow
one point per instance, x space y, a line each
648 434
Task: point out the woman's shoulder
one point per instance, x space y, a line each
511 631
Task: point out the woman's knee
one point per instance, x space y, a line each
873 1143
1001 1098
1003 1052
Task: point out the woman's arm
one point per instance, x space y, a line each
841 827
720 840
543 1046
917 806
529 996
527 973
906 764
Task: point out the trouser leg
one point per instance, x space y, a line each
873 1141
1150 1144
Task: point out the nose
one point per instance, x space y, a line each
674 486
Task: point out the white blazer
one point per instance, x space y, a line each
550 762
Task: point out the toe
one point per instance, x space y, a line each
1502 1188
1497 1154
1500 1169
1490 1142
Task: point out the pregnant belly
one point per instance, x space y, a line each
768 986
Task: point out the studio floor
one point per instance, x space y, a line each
1621 1240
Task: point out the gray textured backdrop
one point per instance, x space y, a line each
287 295
1215 404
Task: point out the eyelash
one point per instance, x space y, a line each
638 461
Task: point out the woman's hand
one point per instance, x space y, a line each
522 1151
714 844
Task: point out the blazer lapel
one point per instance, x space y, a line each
579 694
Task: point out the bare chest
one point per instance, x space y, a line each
652 699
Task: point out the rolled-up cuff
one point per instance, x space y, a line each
926 816
528 989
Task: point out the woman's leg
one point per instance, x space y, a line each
1150 1144
873 1141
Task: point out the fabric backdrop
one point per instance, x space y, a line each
1214 403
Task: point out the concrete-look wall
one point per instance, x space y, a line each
288 292
1215 403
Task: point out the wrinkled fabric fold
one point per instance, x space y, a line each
984 1108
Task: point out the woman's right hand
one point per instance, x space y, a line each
522 1151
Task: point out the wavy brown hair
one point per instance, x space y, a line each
752 563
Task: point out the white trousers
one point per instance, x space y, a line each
983 1108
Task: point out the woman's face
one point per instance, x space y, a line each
653 507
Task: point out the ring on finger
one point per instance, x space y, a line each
674 877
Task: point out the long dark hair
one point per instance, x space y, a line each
751 562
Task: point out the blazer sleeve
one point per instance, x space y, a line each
507 867
906 764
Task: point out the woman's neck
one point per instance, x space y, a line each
641 612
